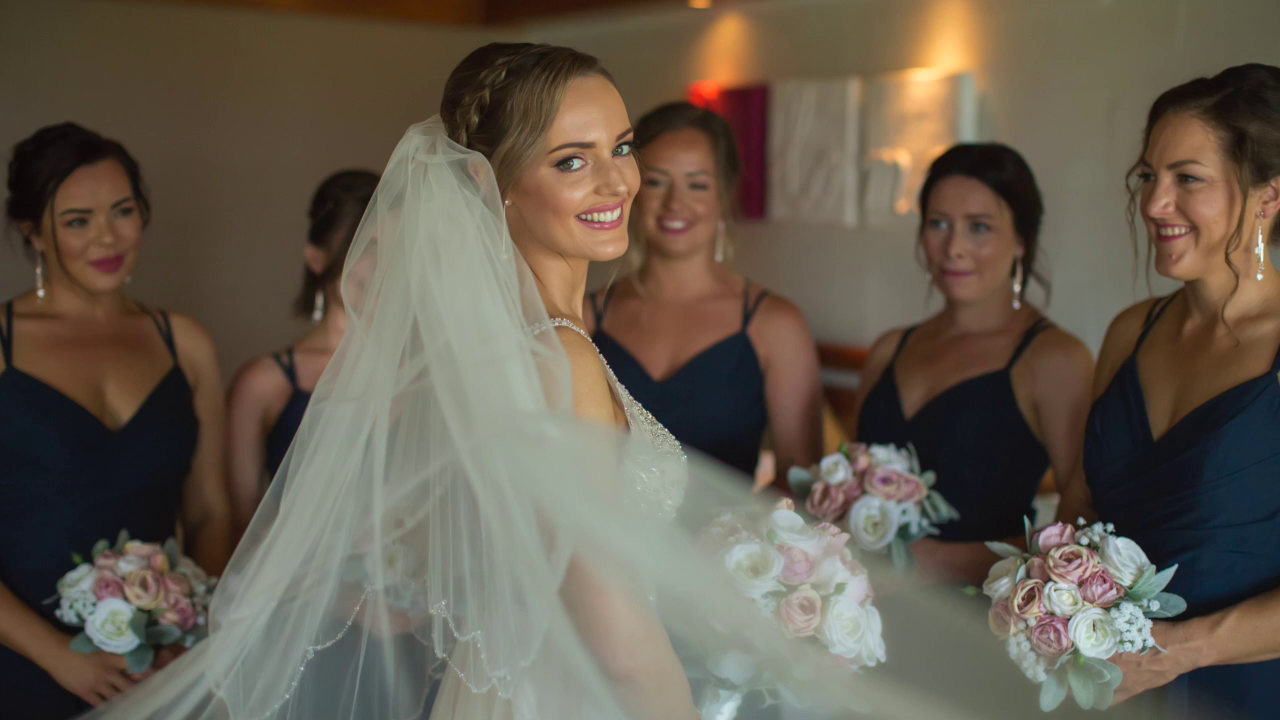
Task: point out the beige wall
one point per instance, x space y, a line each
235 116
1066 82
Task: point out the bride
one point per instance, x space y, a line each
472 502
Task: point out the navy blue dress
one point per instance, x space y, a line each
973 435
714 404
286 426
1206 497
67 481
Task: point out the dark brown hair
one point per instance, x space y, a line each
1008 175
1241 106
335 213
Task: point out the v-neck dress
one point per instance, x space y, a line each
67 481
1204 496
973 435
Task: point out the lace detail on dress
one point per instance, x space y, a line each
654 458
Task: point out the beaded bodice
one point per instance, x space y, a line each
655 462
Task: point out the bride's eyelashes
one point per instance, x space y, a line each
573 163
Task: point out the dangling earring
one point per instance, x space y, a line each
1261 249
1017 284
41 293
720 242
317 308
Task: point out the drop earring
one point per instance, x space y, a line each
1017 284
317 308
1261 249
41 293
720 242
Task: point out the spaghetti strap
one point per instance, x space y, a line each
902 343
6 335
749 310
1028 337
161 320
288 365
1153 315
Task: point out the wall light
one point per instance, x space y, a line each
700 4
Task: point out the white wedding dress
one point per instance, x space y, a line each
654 478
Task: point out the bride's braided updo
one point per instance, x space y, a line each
502 98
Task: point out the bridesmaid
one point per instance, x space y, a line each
713 356
988 391
1182 450
110 413
269 394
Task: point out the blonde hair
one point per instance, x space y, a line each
502 98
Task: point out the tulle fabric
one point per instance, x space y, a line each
438 489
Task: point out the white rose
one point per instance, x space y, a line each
791 529
131 563
1063 599
835 469
1002 577
111 626
79 581
873 522
754 567
1123 559
892 458
852 630
1093 633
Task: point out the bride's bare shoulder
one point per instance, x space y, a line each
592 395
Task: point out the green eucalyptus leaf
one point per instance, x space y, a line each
1004 550
1144 587
83 644
1053 691
121 539
100 547
163 635
1170 605
900 555
140 658
1082 686
1030 533
77 558
139 624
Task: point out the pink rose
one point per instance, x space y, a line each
1071 564
859 457
160 563
180 613
1101 590
1038 569
798 566
176 585
888 484
144 589
1049 637
1027 600
831 503
138 548
912 491
1001 619
801 612
108 586
1056 535
106 561
839 538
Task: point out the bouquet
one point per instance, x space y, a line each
806 578
1081 595
880 493
133 597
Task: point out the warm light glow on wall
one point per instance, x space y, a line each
949 35
700 4
725 53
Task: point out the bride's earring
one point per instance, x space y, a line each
506 203
41 293
720 242
1261 249
1017 284
317 307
